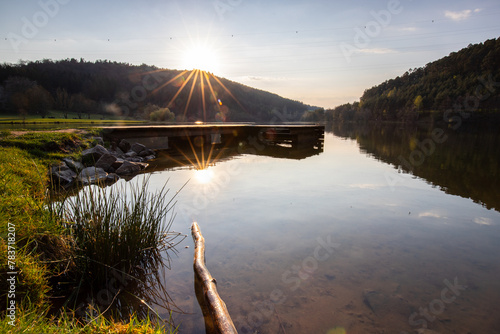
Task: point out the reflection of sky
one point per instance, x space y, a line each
277 208
339 183
339 186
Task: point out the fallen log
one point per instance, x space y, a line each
215 314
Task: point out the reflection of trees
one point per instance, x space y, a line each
465 164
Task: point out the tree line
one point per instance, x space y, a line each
467 80
105 88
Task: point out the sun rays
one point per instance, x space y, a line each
198 96
201 82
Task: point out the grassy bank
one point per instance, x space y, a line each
68 119
42 246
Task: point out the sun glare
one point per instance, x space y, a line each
204 176
200 58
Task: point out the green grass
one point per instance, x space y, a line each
54 116
23 183
48 247
44 145
39 323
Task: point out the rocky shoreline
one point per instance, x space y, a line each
99 164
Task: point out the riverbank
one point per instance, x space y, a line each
34 245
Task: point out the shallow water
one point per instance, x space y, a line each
341 240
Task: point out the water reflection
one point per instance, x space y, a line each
204 176
199 153
463 162
400 244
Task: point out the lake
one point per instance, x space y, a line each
384 230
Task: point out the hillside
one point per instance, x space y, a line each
137 92
465 80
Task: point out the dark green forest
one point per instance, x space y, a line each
465 82
144 92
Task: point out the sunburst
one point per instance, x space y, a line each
210 87
203 80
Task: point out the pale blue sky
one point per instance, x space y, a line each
323 53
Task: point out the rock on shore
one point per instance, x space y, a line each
99 164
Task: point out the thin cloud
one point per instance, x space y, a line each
268 79
461 15
377 51
411 29
430 214
483 221
366 186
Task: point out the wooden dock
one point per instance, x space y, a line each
162 137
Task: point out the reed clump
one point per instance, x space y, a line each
123 240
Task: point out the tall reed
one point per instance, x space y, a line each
123 241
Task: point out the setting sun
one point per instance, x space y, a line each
200 58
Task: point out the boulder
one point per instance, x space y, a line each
146 152
135 159
57 168
124 145
105 161
117 163
63 177
90 156
117 152
74 165
130 154
91 175
98 140
129 167
113 177
137 148
143 165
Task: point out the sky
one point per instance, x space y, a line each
323 53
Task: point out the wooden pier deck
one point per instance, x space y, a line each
161 137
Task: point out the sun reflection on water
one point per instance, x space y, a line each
204 176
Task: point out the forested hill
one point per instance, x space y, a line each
465 80
139 92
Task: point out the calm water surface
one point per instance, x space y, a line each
344 239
